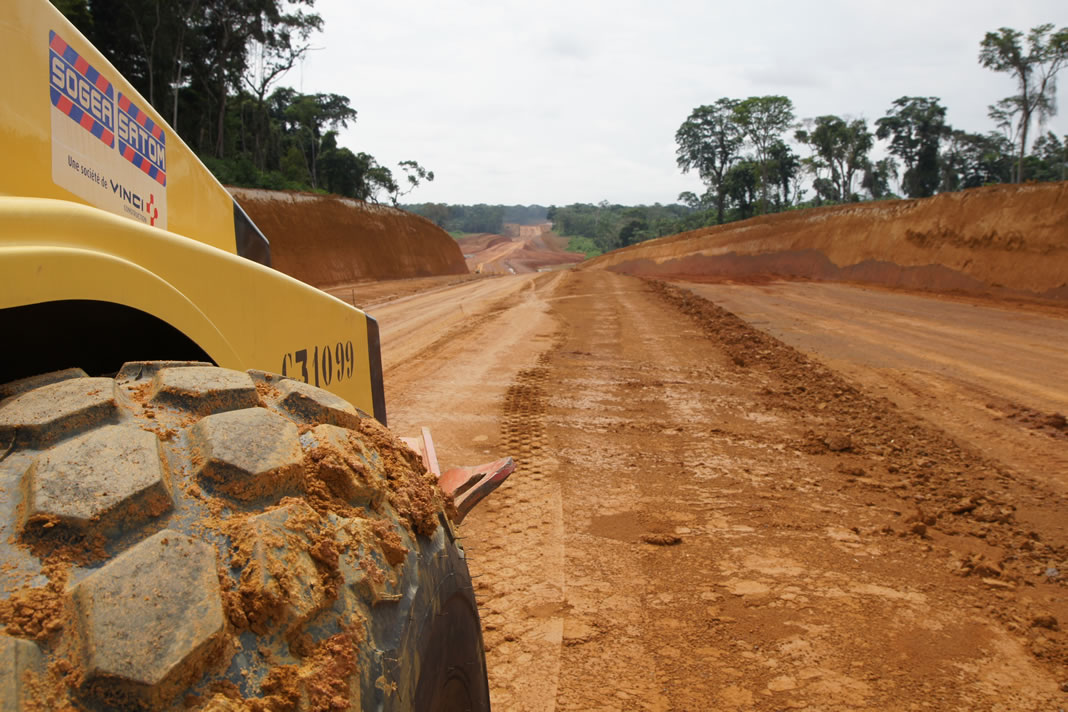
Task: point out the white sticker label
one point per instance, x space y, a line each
105 149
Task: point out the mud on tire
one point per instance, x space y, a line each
185 536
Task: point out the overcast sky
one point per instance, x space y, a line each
564 101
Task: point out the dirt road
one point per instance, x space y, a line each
705 518
990 374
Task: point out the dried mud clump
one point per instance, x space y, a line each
289 567
37 613
281 690
325 681
51 539
336 480
411 490
347 471
392 547
330 672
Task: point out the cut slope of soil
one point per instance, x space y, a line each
1008 239
326 240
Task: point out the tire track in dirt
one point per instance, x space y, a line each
517 548
802 579
480 386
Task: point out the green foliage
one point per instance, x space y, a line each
915 127
1035 71
763 120
414 174
1050 158
972 160
708 142
584 245
736 148
711 140
470 219
77 11
878 177
610 227
743 184
840 148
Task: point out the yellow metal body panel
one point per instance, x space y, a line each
91 175
242 314
197 204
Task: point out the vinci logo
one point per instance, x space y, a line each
79 91
142 141
152 209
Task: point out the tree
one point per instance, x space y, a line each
438 213
762 120
842 147
1050 158
414 174
708 142
743 184
973 160
915 126
309 117
691 200
1035 71
281 45
877 177
784 171
340 170
376 178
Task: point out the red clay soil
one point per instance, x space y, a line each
1006 240
326 240
533 249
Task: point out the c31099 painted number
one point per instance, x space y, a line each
321 366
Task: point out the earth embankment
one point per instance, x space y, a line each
327 240
1010 240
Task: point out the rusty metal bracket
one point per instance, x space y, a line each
467 485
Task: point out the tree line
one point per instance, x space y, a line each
754 156
212 67
593 229
458 219
737 146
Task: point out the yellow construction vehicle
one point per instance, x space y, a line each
196 508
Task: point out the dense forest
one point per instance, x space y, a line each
458 219
211 69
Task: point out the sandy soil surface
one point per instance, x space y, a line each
992 375
705 517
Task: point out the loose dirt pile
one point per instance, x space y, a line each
326 240
1000 239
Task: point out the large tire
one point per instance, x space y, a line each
185 536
